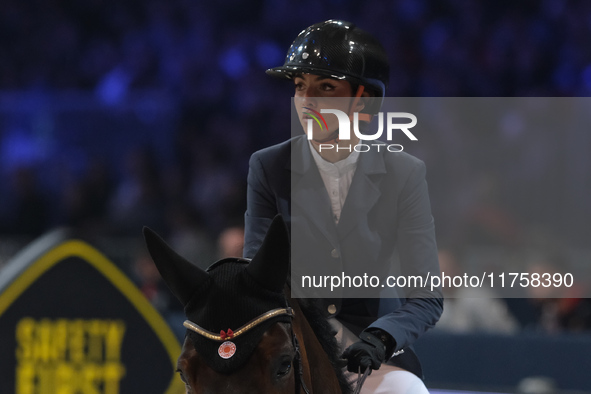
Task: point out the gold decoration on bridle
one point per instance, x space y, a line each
253 323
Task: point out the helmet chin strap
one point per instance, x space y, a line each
334 137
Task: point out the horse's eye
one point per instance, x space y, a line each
284 368
188 389
181 376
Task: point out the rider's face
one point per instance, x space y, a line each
312 93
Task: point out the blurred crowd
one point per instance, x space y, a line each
215 51
209 58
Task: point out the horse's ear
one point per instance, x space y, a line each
181 276
270 266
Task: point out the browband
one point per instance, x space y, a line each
256 321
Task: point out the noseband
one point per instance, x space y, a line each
224 336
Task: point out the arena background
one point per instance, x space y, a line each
119 114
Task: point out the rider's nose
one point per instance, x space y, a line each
308 99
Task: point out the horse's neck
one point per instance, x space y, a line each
318 372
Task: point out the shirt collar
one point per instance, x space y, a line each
338 168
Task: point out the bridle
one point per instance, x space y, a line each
253 323
223 336
298 363
298 367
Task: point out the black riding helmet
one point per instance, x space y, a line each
341 50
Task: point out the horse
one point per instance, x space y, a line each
245 334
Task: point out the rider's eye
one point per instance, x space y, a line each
328 86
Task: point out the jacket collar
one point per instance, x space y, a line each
309 196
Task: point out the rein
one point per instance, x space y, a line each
360 380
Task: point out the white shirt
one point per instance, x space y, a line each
337 178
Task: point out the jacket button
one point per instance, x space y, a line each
332 309
335 253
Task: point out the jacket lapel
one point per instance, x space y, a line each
308 194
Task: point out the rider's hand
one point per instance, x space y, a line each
369 352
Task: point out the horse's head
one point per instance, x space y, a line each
239 337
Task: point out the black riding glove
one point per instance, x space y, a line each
370 352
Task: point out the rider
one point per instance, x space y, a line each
388 204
